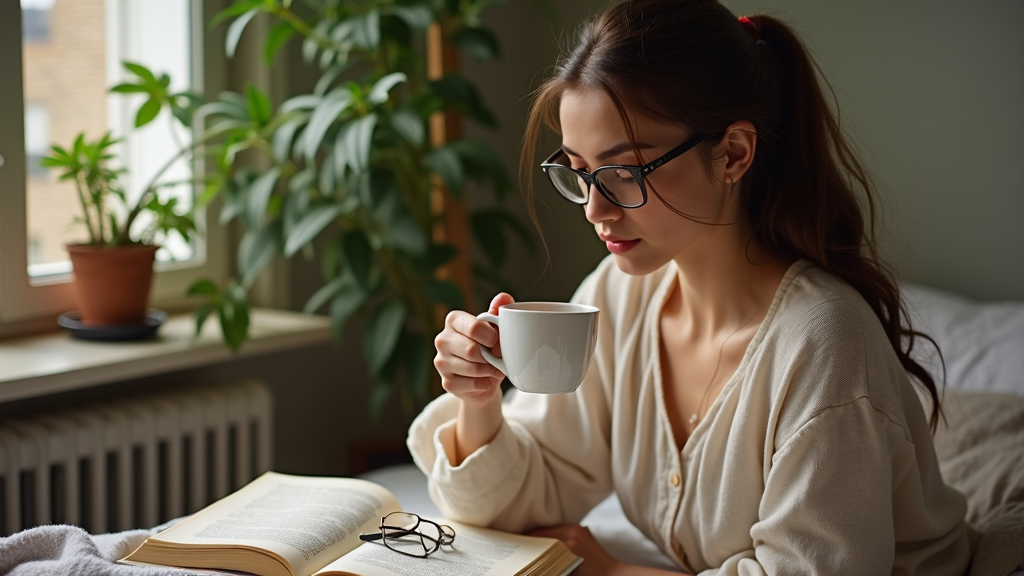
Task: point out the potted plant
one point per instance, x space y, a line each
351 171
113 268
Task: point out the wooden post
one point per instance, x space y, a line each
453 228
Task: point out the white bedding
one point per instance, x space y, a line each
983 349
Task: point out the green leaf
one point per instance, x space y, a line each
444 292
324 294
300 102
382 332
358 256
417 17
367 30
445 163
284 136
325 113
235 31
147 112
203 287
259 196
454 89
257 105
276 38
436 255
142 72
379 93
479 43
234 318
405 234
309 227
330 258
222 108
255 251
481 161
234 10
347 301
409 125
129 88
327 78
183 114
202 313
357 141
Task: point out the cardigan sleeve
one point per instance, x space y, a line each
827 503
550 461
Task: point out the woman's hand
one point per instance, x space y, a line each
596 561
579 540
464 372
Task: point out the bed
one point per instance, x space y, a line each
980 446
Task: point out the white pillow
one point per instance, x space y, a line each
982 343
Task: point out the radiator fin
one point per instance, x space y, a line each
134 463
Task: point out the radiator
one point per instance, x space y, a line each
133 463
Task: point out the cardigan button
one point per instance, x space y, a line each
674 479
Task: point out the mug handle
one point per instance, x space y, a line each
490 357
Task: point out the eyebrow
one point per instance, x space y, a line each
611 152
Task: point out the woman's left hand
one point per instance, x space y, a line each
596 561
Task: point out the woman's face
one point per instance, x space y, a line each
644 239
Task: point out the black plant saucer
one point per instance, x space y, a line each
145 330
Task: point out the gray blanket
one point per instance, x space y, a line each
61 549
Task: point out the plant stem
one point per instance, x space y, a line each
150 188
85 210
300 25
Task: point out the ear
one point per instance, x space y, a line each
735 152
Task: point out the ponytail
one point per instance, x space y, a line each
807 195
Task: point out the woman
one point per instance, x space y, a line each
750 400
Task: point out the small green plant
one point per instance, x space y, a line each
87 163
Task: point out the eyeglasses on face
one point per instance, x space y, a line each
623 186
408 534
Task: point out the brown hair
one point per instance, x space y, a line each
693 64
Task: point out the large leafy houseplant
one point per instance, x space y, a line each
349 173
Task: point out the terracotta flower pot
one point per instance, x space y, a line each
112 284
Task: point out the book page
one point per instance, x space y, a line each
306 521
475 552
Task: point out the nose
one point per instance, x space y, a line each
598 209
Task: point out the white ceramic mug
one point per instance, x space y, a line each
546 347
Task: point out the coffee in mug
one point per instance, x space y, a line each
546 347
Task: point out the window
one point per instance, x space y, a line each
35 20
66 54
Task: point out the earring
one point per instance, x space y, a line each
732 183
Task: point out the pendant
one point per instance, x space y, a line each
693 419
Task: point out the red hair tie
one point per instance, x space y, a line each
751 28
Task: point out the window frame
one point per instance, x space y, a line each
23 299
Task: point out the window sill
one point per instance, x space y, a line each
40 365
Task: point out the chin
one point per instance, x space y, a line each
636 265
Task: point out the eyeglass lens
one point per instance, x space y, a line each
406 533
618 185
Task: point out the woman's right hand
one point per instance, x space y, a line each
464 372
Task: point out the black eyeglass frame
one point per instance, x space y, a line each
447 535
639 173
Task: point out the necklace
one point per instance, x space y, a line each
695 418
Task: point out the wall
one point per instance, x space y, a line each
931 92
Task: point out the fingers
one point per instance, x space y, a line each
479 331
498 301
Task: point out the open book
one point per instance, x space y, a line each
282 525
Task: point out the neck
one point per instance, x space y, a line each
722 288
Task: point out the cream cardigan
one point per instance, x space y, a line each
816 458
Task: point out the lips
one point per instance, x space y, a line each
617 246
